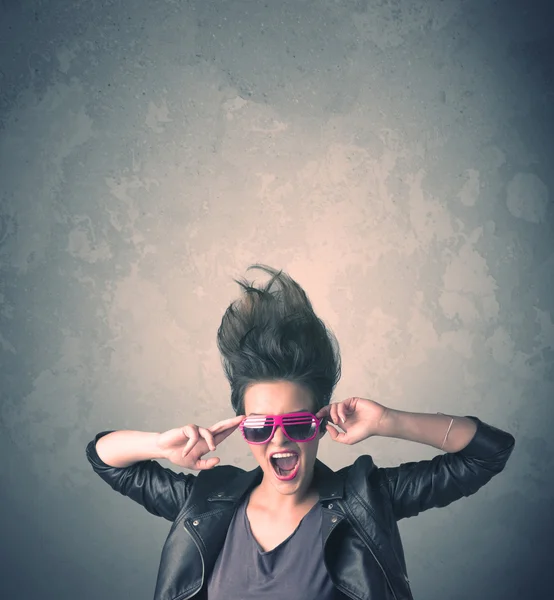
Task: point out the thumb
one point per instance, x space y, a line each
337 436
332 432
208 463
323 412
350 405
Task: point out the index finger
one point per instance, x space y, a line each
226 424
323 412
219 436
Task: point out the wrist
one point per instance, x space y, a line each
122 448
387 423
445 432
158 451
146 446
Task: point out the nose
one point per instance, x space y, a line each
279 438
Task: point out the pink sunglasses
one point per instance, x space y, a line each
297 427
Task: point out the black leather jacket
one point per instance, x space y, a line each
361 506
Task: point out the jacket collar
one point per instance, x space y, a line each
330 484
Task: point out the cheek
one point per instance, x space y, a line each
310 451
258 452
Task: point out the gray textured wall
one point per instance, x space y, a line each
394 157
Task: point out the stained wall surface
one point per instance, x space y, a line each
394 157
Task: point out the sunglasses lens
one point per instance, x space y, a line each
257 430
300 430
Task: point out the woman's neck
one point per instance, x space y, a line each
267 496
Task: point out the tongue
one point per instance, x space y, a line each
286 464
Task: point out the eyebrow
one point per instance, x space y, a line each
293 411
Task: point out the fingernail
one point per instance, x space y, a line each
342 419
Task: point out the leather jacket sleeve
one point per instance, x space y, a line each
418 486
161 491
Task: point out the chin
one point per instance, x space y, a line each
288 484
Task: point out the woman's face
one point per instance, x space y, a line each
278 398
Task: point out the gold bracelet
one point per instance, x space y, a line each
447 431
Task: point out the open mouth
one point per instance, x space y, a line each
285 465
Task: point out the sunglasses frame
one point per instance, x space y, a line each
292 419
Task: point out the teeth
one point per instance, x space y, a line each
283 455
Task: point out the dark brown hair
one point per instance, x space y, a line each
273 335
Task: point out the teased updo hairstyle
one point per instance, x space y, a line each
274 335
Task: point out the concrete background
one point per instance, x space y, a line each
394 157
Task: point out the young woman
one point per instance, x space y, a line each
291 528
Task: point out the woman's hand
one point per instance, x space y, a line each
359 418
185 446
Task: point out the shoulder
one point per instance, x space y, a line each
221 473
363 472
361 467
359 474
213 489
224 478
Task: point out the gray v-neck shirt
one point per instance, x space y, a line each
294 569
